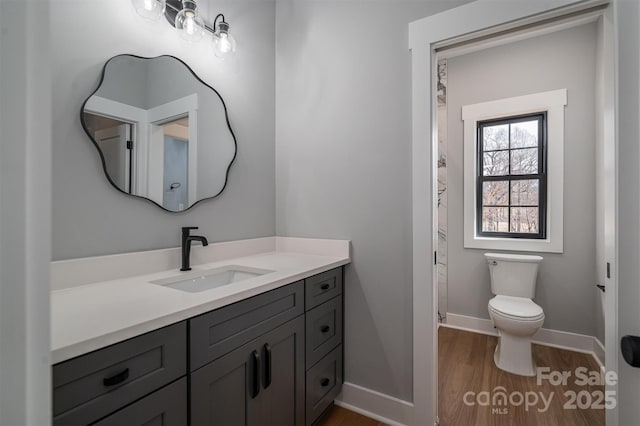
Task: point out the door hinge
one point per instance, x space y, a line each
129 144
608 270
435 257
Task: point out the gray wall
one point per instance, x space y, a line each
566 282
343 164
90 217
125 81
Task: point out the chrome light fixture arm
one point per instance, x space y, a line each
175 6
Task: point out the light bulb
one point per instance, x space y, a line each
190 25
224 44
149 9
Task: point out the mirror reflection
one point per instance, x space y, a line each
162 133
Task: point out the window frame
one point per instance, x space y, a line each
541 176
554 103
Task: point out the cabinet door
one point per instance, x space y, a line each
282 400
259 383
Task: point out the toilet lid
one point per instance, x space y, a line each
520 307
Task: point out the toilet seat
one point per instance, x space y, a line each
516 308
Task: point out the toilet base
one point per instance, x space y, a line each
513 354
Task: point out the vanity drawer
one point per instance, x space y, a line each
323 329
165 407
218 332
323 287
324 382
91 386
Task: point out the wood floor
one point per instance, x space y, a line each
339 416
465 364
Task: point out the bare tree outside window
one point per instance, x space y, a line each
512 177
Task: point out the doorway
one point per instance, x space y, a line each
526 165
175 174
460 29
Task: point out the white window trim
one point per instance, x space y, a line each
553 102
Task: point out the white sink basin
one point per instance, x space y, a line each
197 281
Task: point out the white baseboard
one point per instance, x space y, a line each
555 338
463 322
378 406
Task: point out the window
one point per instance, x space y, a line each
512 181
513 173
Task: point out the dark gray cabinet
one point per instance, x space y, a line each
94 385
218 332
324 382
324 330
259 383
275 359
166 407
322 287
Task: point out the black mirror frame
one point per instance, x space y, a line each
104 164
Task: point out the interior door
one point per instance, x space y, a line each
113 143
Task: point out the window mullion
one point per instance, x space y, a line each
509 185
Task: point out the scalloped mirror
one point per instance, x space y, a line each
161 132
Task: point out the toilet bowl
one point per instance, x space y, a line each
513 312
517 320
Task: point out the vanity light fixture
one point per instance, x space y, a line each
184 16
189 22
149 9
224 44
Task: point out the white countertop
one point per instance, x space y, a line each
88 317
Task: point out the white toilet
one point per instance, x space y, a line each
514 314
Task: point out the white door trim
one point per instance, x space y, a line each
466 22
138 118
25 213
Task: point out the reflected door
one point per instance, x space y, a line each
176 165
117 154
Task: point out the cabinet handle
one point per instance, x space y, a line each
325 328
116 378
267 365
255 374
324 286
324 382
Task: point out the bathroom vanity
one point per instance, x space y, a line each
265 350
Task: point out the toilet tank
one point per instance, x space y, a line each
513 274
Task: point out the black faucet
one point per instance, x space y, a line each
186 245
